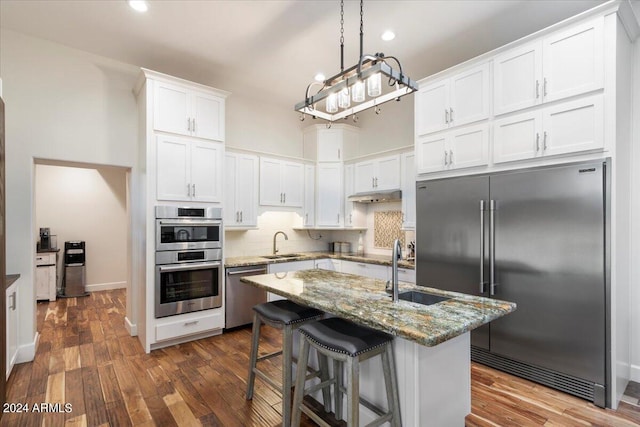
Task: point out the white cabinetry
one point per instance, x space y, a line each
408 184
329 145
11 326
188 170
378 174
281 183
454 101
354 215
375 271
241 190
456 149
193 323
566 63
329 264
185 111
285 267
46 276
568 127
329 208
309 213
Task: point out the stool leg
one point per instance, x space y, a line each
303 360
391 383
323 363
287 364
337 373
353 392
255 339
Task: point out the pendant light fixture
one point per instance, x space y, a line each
357 88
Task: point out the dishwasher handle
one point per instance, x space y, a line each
257 270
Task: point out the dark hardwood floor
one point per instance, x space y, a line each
86 359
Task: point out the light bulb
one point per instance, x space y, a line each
374 85
344 100
357 91
332 103
138 5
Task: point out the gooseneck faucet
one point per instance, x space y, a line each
397 254
275 250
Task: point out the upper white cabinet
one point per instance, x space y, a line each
188 170
456 149
329 208
454 101
378 174
241 190
408 183
309 212
186 111
354 213
334 144
281 182
566 63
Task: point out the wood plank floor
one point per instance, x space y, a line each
86 359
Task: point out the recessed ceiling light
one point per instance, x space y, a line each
320 77
139 5
388 35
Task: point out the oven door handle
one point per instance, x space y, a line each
189 266
191 223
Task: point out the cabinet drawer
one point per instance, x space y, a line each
192 325
46 258
406 275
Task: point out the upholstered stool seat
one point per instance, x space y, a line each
287 316
347 344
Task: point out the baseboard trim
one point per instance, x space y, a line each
131 327
27 352
635 373
105 286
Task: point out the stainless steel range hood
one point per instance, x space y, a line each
376 196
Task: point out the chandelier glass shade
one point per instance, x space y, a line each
357 88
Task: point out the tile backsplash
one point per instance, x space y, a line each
386 228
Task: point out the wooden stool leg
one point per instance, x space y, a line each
323 363
337 373
353 392
303 360
255 339
287 346
391 384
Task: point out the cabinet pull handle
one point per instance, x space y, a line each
544 87
13 301
350 218
193 322
284 197
446 162
537 89
544 141
338 153
450 115
189 124
338 219
280 197
537 141
446 116
237 216
193 126
189 190
373 182
450 157
241 217
306 218
194 190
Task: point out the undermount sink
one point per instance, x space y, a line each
421 297
281 256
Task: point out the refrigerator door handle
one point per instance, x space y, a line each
492 248
482 283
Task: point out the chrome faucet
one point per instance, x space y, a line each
397 254
275 250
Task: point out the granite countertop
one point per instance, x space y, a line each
11 279
364 300
242 261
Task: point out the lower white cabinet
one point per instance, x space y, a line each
190 324
284 267
11 326
405 275
329 264
375 271
46 276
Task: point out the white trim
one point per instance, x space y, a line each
132 328
27 352
105 286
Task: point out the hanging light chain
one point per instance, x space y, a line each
341 35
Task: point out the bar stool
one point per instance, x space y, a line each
349 344
286 316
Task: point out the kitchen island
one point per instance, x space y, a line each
432 345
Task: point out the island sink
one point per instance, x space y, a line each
421 297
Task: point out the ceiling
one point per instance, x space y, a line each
272 49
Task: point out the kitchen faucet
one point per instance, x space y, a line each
397 254
275 250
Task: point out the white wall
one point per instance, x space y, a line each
61 104
391 129
635 218
87 204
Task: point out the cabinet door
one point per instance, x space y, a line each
432 153
573 61
208 116
469 146
206 171
432 108
517 137
408 191
309 216
42 283
270 190
12 326
247 190
171 109
329 207
517 78
364 176
388 173
330 145
231 211
574 126
173 174
469 96
293 184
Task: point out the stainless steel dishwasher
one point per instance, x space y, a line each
240 297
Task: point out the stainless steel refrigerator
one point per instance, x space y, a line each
539 238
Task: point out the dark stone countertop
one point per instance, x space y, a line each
11 279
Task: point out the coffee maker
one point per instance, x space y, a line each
45 239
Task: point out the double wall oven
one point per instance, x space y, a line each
189 270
